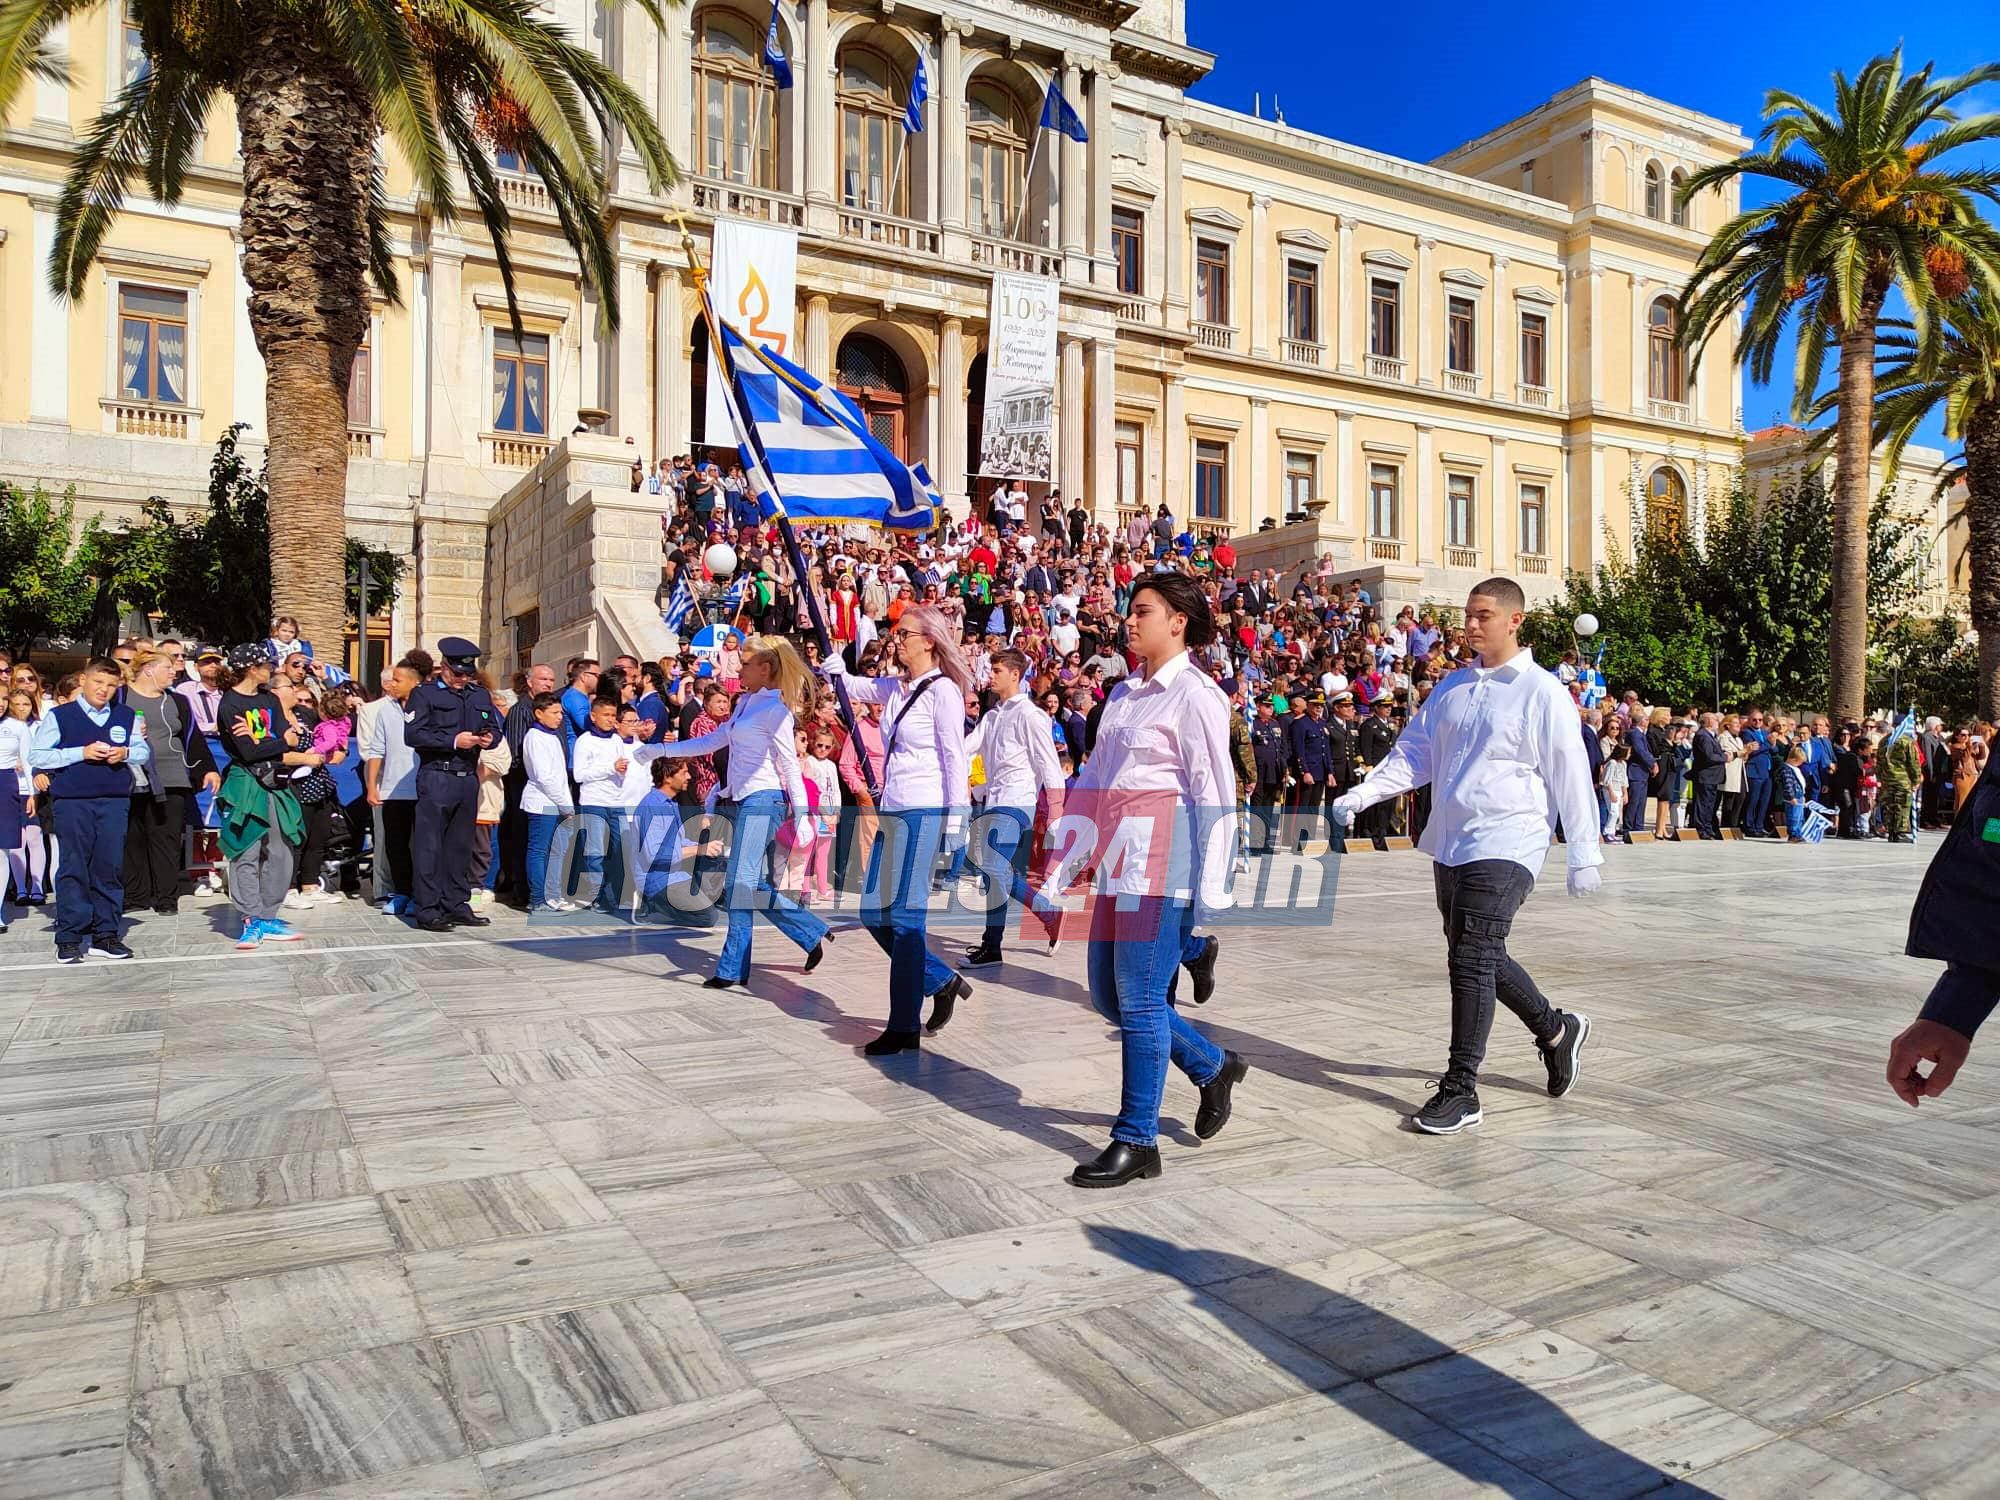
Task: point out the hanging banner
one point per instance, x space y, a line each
1017 433
753 271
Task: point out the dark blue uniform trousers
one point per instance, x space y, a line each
441 844
90 879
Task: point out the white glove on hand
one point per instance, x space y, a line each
1585 881
1346 808
834 666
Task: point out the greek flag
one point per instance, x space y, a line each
680 604
920 90
774 52
732 598
807 450
1057 115
1904 729
1818 819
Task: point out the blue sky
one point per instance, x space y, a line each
1419 81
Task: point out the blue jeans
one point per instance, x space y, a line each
894 907
541 838
1795 820
603 856
1134 950
1000 846
754 825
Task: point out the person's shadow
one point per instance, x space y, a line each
1331 1074
1413 1387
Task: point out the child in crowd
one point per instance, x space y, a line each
545 801
1616 785
1793 790
798 853
1870 789
822 774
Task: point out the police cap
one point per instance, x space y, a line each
458 652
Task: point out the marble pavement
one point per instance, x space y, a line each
523 1213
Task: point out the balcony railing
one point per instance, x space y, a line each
1301 352
869 228
748 203
361 441
1382 367
1669 411
516 450
1461 382
1532 563
1461 557
518 191
1215 336
1532 395
1007 255
148 419
1385 549
1136 310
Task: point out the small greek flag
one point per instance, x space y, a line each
334 676
1818 819
680 604
1904 729
732 599
1057 115
920 90
774 52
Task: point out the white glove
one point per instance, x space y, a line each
1585 880
834 666
1346 808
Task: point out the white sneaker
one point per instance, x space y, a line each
298 901
560 904
481 897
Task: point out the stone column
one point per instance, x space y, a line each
1071 418
948 463
590 388
677 103
1505 329
1592 287
1594 543
1346 498
1499 505
1262 500
639 65
819 335
420 387
1173 452
455 423
1075 189
1103 471
822 136
1420 514
1347 332
1174 232
670 365
948 119
1103 270
48 327
1639 286
1423 358
630 410
1260 275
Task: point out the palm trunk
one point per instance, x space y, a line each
1982 524
308 163
1847 681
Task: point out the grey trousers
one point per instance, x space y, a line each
260 876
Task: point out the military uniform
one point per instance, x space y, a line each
1374 737
1312 755
1269 744
438 712
1900 771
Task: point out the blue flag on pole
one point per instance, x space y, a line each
774 52
920 90
1057 115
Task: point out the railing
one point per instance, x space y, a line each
1385 549
361 441
1301 351
148 420
1530 563
881 229
1005 255
1461 557
1532 395
1215 336
1137 310
514 450
748 203
1669 411
1461 382
1382 367
517 191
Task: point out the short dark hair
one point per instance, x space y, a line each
1183 596
419 661
546 700
1009 657
102 664
665 766
1502 591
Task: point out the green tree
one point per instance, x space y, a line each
1871 209
47 567
317 85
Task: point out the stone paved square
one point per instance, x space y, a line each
526 1213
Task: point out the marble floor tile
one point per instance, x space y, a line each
387 1090
75 1357
516 1381
945 1420
919 1208
198 1143
439 1216
255 1182
1504 1177
797 1322
767 1118
1126 1475
1174 1361
1957 1247
1790 1468
473 1148
61 1209
1809 1205
279 1432
1947 1165
1780 1374
50 1026
628 1177
1668 1233
717 1449
709 1248
1533 1272
1204 1234
72 1454
565 1064
1936 1438
618 1095
1351 1442
109 1099
46 1275
1905 1317
259 1241
203 1333
458 1480
1570 1416
25 1162
506 1280
1363 1205
1014 1277
835 1154
229 1095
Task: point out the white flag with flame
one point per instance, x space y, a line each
753 278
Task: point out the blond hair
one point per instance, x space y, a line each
789 674
143 658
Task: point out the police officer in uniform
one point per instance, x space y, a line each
449 720
1340 727
1312 765
1270 747
1373 740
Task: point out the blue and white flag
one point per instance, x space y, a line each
774 52
1057 115
920 90
807 451
680 604
1818 819
1904 729
732 598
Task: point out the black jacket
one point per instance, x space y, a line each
1708 758
1958 906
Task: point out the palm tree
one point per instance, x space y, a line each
1870 210
317 84
1958 372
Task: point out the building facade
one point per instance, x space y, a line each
1433 370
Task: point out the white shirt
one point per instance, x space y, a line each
1502 751
763 748
927 764
1163 734
1016 746
547 764
594 763
14 737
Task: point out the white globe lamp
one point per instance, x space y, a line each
1586 626
721 559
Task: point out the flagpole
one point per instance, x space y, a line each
719 359
1028 179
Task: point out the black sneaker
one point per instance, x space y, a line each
1451 1109
1202 970
1561 1059
982 955
108 948
69 953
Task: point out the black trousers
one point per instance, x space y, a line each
154 830
513 881
1307 806
1264 803
441 843
1376 822
318 839
399 824
1478 902
1707 807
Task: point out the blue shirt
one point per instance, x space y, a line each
653 707
663 842
576 715
45 752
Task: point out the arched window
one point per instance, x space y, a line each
1653 210
1666 502
1666 376
871 134
996 176
869 371
737 137
1675 206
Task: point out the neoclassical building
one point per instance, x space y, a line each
1431 370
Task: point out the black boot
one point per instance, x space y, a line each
984 953
1214 1111
945 1001
1116 1165
1203 970
892 1042
819 952
717 982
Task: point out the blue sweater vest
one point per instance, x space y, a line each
92 778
